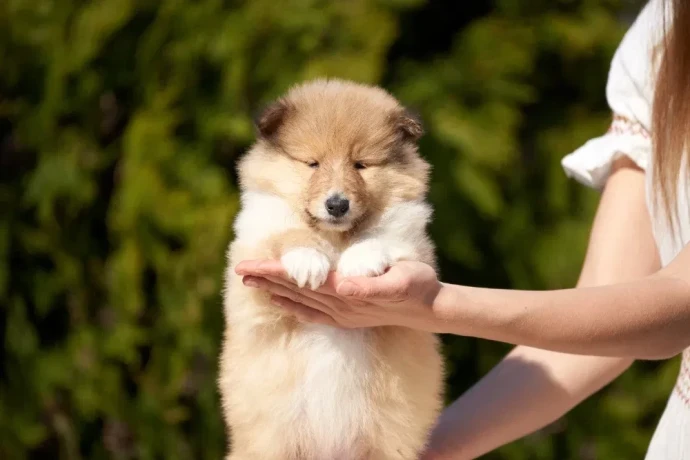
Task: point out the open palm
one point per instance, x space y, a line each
403 296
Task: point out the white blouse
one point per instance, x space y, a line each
629 92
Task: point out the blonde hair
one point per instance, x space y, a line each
671 106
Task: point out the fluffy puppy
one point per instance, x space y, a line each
334 182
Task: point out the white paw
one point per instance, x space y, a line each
306 266
368 258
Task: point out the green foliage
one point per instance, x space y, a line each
120 123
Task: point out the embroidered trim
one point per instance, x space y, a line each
623 125
682 387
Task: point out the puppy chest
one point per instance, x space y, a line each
332 395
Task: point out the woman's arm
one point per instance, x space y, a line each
647 319
544 385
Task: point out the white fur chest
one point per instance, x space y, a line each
331 401
262 215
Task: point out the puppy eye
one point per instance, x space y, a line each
313 164
359 165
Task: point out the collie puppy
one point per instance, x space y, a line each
334 182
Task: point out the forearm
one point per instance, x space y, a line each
544 385
528 390
648 319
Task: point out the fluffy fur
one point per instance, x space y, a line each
313 392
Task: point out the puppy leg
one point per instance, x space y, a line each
369 257
306 258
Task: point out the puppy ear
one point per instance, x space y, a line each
410 125
270 118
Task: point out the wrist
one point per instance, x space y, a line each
447 310
475 312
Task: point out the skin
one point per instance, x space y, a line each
572 342
545 385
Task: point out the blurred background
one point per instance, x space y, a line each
120 125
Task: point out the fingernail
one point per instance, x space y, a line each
346 288
275 301
239 268
251 283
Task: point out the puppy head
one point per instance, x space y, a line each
338 152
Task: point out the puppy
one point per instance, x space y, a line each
334 182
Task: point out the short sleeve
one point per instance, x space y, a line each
629 93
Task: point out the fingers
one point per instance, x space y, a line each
305 309
325 295
274 269
277 288
302 313
260 267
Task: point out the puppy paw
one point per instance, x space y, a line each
306 266
367 258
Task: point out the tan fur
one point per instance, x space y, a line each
336 124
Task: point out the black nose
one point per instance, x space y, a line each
337 206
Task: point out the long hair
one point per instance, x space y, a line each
671 106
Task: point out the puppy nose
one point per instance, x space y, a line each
337 206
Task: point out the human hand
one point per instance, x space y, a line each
402 296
